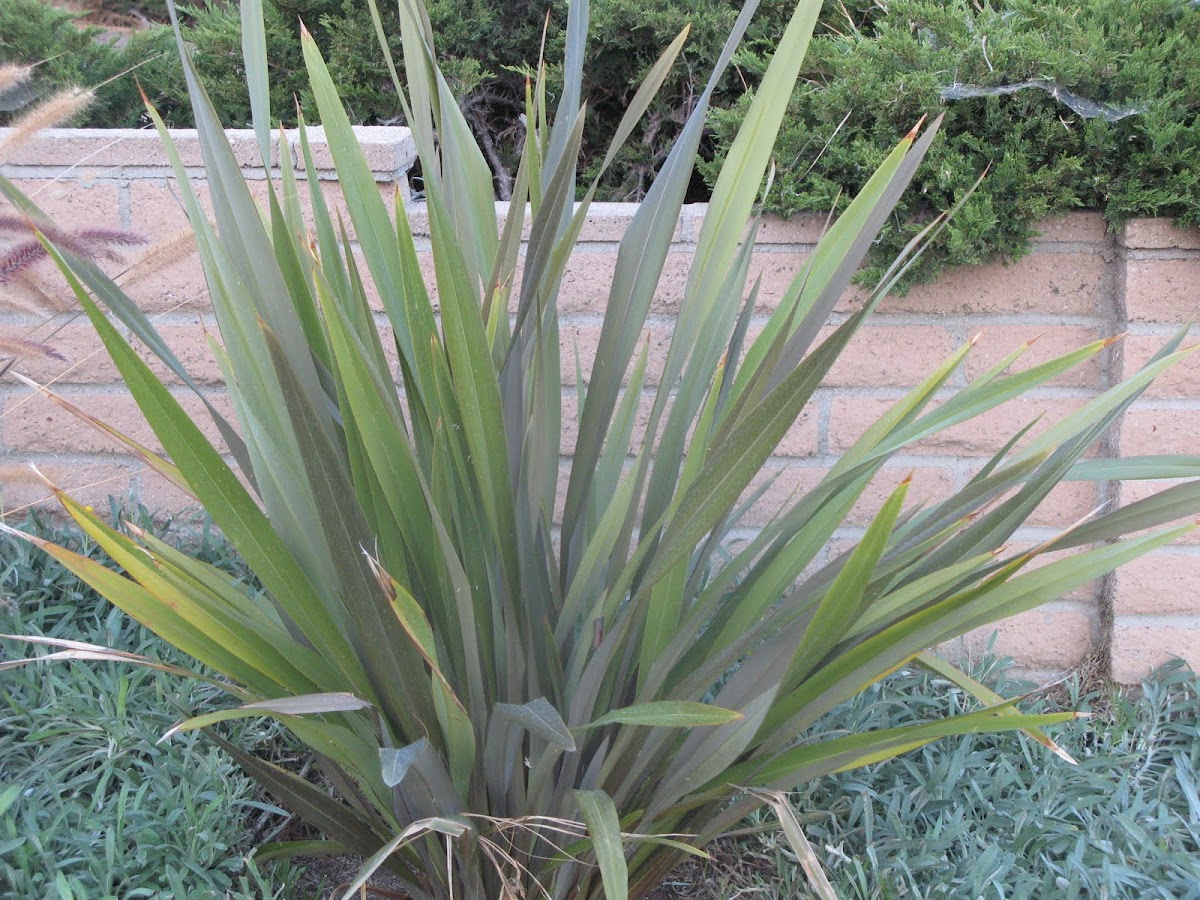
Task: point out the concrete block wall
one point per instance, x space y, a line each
1079 283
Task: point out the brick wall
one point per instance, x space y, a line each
1078 284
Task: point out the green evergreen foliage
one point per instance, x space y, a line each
877 67
880 69
34 32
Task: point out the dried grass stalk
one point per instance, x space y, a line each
159 256
59 108
19 475
90 243
27 293
12 74
21 347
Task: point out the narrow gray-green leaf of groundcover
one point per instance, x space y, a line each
668 714
539 718
254 56
604 827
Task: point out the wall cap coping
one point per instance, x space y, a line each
389 149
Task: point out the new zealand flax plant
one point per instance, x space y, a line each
507 704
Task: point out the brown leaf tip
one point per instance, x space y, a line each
912 135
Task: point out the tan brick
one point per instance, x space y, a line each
671 286
1066 504
335 203
586 338
1181 380
1039 638
570 422
1074 227
40 425
1158 584
96 146
1057 283
997 342
1162 290
73 205
1158 431
84 359
1138 648
801 439
190 345
1155 234
981 436
587 281
172 278
163 499
36 424
605 222
36 293
929 486
177 286
777 271
156 207
889 355
90 483
608 222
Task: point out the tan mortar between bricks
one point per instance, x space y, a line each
1078 284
